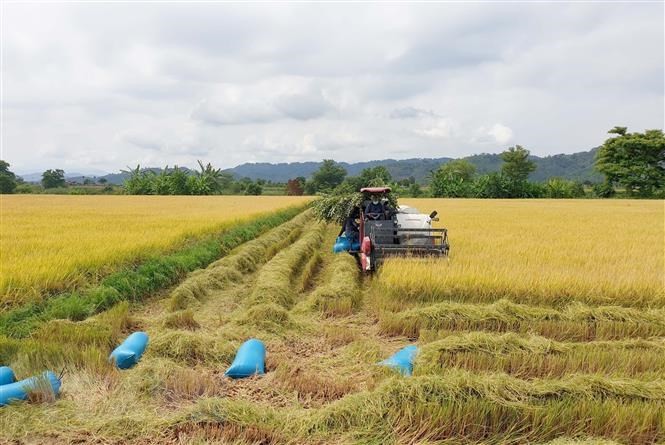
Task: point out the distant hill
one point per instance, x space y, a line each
577 166
419 168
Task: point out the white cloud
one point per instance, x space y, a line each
410 113
105 85
439 128
501 133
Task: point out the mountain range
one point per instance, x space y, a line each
576 166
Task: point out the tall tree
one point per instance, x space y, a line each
7 178
516 164
378 174
178 182
328 176
294 187
53 178
453 179
635 161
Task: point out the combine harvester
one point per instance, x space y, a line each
401 231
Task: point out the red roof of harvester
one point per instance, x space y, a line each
375 189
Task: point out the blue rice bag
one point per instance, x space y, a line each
20 390
250 359
130 351
342 244
6 375
402 360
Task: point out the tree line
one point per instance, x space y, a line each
631 162
178 181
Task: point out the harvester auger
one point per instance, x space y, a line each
384 231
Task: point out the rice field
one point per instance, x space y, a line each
496 365
51 243
545 252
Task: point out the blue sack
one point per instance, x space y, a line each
402 360
130 351
6 375
342 244
249 360
20 390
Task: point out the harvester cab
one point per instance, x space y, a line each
385 231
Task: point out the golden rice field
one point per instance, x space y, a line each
546 326
548 252
53 242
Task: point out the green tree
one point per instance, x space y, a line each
563 188
7 178
253 188
160 183
178 182
603 190
53 178
415 191
208 181
635 161
102 181
375 175
516 164
492 185
328 176
515 173
453 179
459 168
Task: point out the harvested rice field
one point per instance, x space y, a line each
572 353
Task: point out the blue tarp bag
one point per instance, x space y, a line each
130 351
6 375
342 244
20 390
402 360
250 360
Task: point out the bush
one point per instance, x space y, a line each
563 188
603 190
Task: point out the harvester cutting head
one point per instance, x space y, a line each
386 230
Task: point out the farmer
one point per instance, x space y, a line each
350 226
375 209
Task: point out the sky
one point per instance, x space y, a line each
101 86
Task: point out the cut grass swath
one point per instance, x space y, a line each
232 268
574 322
533 356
